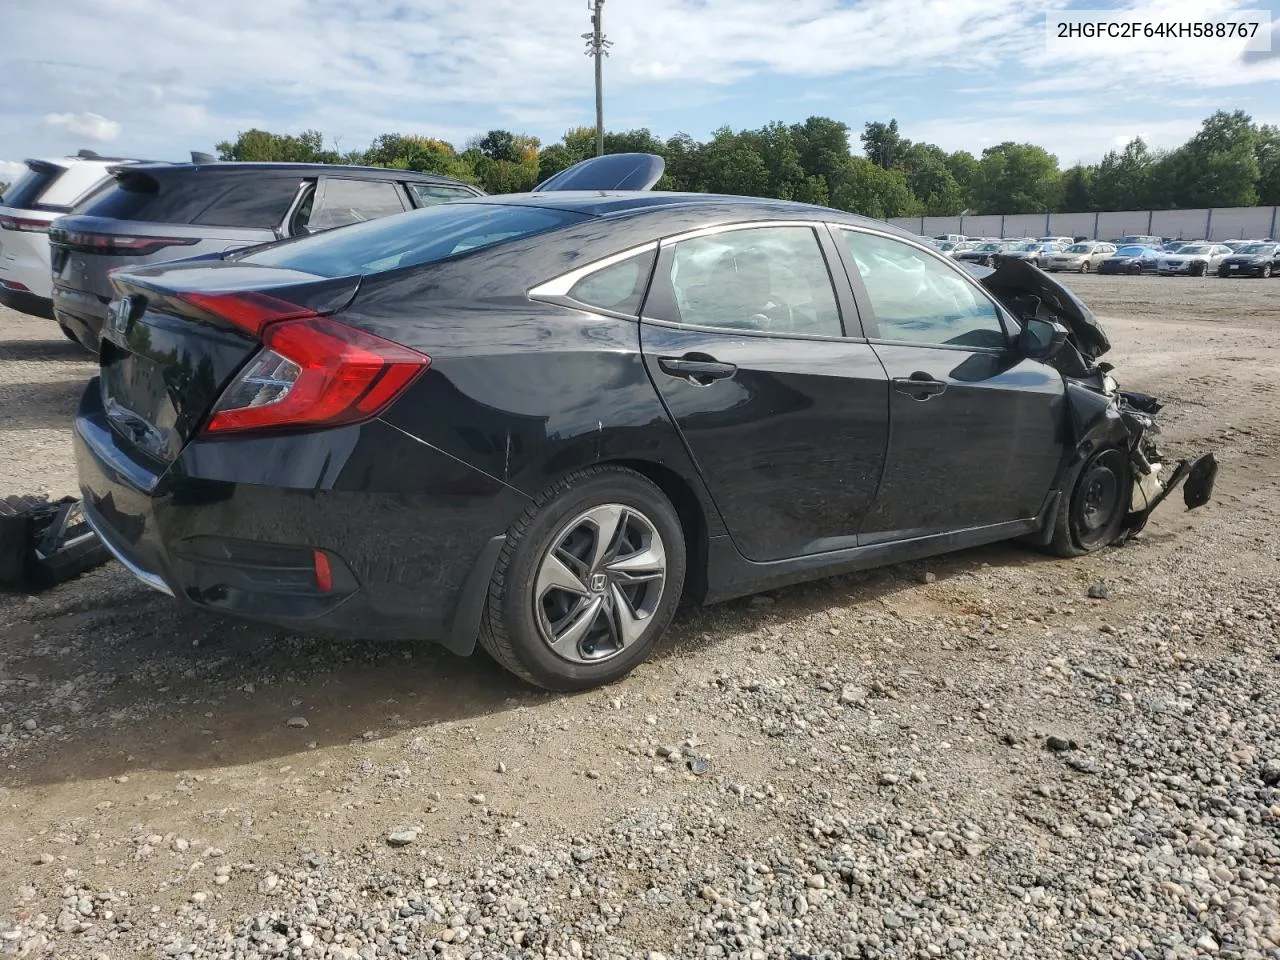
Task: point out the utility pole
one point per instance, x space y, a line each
598 47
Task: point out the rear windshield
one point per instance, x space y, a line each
225 200
409 239
1131 251
24 193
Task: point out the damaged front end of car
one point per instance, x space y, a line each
1102 416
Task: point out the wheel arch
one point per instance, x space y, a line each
693 519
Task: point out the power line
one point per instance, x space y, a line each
598 47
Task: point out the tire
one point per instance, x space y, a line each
1084 267
535 596
1223 272
1266 271
1094 511
1200 270
1136 269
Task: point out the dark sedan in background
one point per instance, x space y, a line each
1131 259
985 253
1252 260
538 421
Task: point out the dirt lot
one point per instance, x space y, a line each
982 762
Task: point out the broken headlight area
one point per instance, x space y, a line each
1101 414
1152 481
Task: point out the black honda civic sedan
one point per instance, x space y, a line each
538 421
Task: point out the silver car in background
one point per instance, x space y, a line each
1194 260
1079 257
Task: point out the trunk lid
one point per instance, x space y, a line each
166 359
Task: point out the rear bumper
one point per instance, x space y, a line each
24 301
232 525
84 314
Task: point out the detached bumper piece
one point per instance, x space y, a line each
1196 477
44 543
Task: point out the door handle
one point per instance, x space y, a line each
919 386
698 368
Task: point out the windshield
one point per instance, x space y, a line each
947 245
1131 251
1194 248
992 247
408 239
1079 248
1026 247
1257 248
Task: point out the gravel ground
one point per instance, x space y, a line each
984 755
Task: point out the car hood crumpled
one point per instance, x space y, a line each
1015 279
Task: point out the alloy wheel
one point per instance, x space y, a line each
599 583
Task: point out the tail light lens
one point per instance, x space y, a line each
117 245
23 225
312 371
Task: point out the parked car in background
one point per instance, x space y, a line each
1141 240
952 248
1252 260
457 423
47 190
952 237
155 212
1131 259
1062 241
1193 259
985 253
1080 257
1034 252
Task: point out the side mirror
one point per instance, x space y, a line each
1041 339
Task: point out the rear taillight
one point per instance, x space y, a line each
117 245
23 224
15 285
312 371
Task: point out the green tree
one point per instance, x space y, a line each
861 186
260 145
1077 190
730 163
1220 163
1017 178
884 146
823 145
1267 150
1122 181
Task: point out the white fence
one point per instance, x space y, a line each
1223 223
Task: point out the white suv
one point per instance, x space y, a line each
47 190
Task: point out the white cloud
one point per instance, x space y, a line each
10 170
92 126
455 67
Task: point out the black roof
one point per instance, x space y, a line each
719 207
223 167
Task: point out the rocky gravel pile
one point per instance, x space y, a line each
1084 779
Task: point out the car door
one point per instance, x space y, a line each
1217 255
976 432
744 337
339 201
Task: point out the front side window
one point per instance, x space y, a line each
917 299
766 279
342 202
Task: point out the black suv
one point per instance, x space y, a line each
151 212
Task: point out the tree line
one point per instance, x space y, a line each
1229 162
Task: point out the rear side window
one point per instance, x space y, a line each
340 202
429 194
24 193
421 236
618 287
252 202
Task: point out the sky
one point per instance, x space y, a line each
158 78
